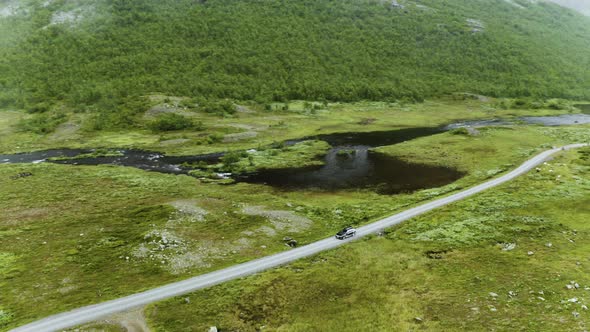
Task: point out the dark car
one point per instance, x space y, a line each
346 233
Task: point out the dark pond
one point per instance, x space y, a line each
377 138
348 165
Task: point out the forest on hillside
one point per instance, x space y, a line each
97 53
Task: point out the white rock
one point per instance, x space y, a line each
530 253
508 246
492 294
573 300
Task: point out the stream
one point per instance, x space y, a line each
349 164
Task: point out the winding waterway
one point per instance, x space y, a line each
349 164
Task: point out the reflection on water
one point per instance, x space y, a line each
348 165
352 167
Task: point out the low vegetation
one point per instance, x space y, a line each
75 235
172 122
252 127
260 82
507 259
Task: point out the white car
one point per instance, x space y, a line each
346 233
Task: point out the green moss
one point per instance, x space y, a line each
304 154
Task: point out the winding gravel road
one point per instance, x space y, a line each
98 311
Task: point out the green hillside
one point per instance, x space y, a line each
89 52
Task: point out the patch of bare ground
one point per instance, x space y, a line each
65 131
281 220
167 247
166 105
249 127
243 109
67 286
188 210
129 321
18 215
163 109
239 136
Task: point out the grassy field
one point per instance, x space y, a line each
75 235
486 152
507 260
249 128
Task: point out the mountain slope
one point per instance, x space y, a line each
88 52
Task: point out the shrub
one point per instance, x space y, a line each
172 121
5 317
460 131
39 108
42 123
222 108
233 157
214 138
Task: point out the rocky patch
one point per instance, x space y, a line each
284 221
476 26
239 136
187 211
